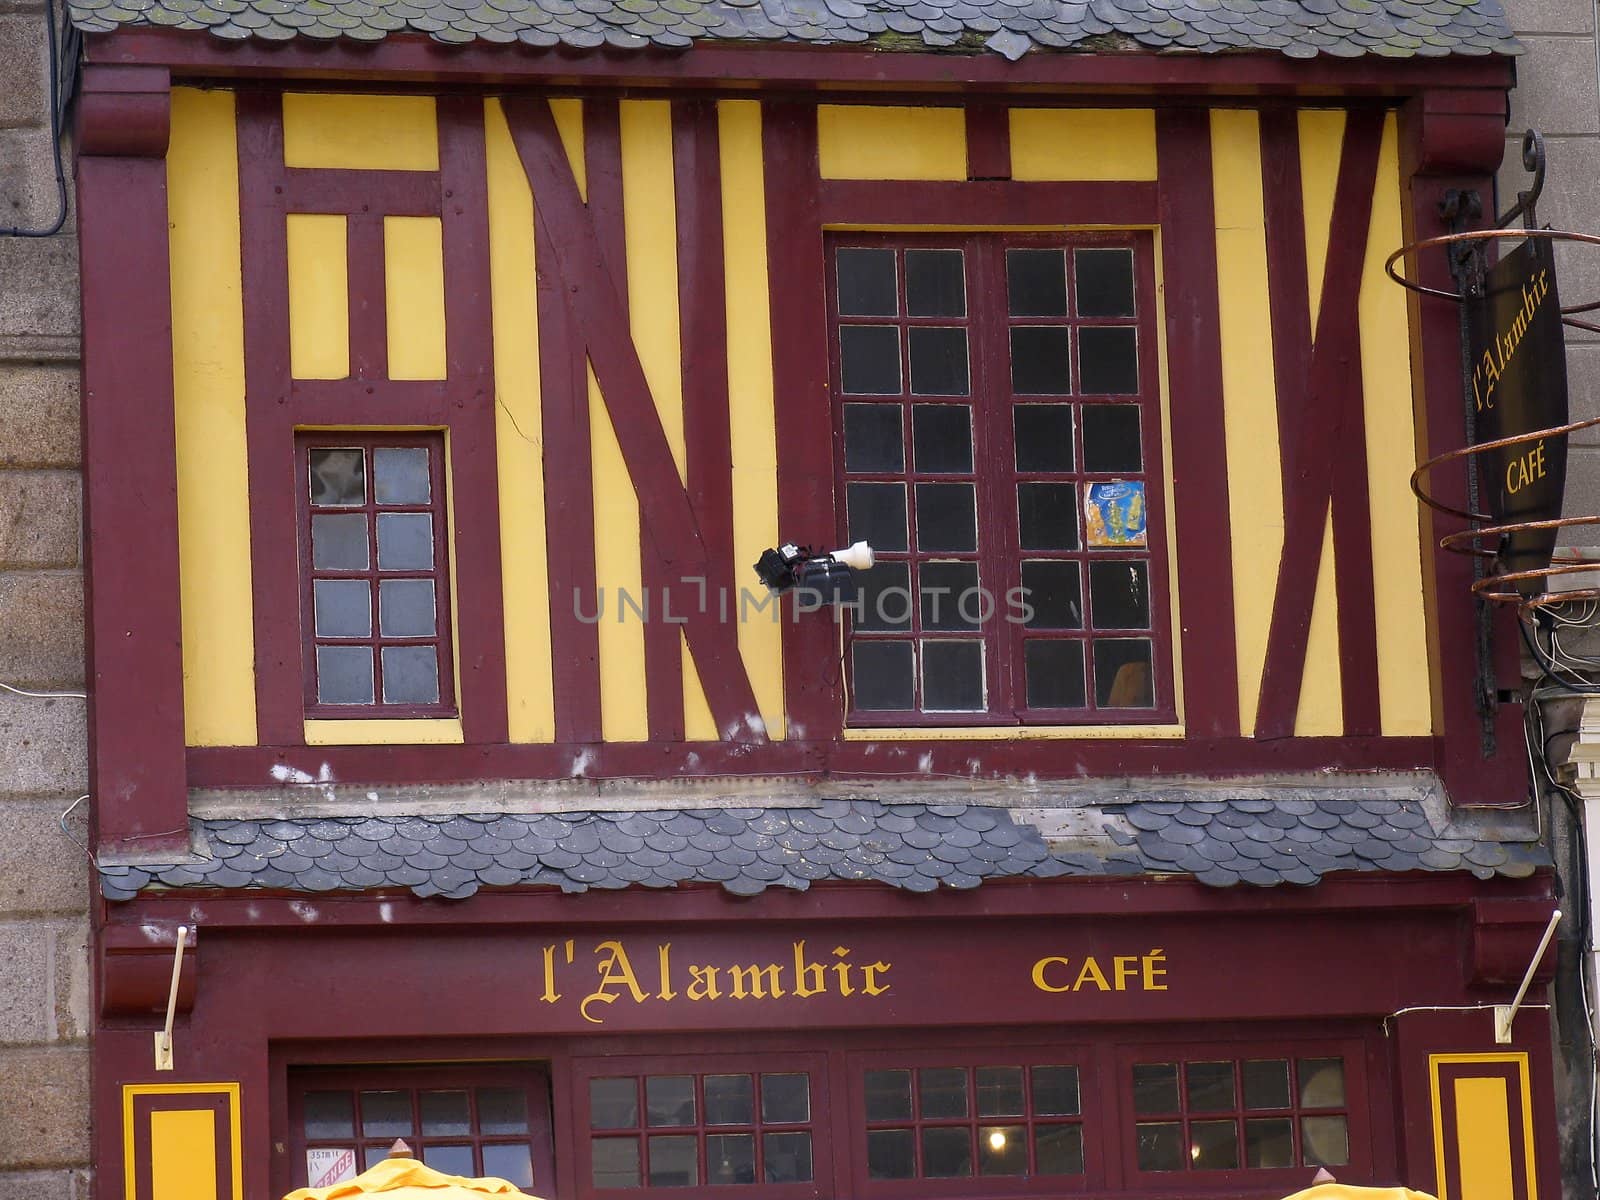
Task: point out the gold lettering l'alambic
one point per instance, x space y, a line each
612 972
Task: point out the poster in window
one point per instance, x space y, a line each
325 1167
1114 514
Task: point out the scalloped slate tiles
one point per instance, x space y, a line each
1298 28
913 846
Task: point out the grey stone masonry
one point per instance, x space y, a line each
45 1020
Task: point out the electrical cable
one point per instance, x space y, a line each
16 691
55 136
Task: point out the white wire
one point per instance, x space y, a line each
44 695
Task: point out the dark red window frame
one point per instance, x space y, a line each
996 476
437 509
532 1078
821 1125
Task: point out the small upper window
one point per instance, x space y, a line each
997 442
374 577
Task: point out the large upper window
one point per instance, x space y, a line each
997 442
374 577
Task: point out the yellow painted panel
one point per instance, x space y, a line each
618 573
880 141
1403 674
130 1161
1483 1138
1083 143
219 702
407 731
568 115
1249 390
1164 469
524 567
1321 140
413 274
183 1155
374 133
1321 710
319 296
754 438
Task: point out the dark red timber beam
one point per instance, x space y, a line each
136 761
1199 444
1325 462
594 300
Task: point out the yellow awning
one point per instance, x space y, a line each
1346 1191
408 1179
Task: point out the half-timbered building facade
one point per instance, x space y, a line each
1146 827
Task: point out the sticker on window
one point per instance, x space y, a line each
1114 514
324 1168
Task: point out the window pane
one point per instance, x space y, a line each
1266 1083
1155 1088
1209 1086
614 1162
888 1095
1058 1149
1105 282
1160 1146
946 1153
730 1100
1213 1145
866 282
1321 1082
1000 1092
669 1099
1111 438
502 1110
948 593
1036 283
329 1115
938 361
934 284
952 677
1055 674
344 675
400 475
1268 1142
947 517
338 476
1324 1141
1108 360
339 542
613 1103
1041 363
405 607
877 514
730 1158
786 1157
891 1154
509 1161
1053 593
1055 1091
880 679
1122 673
450 1160
873 439
446 1114
410 675
405 542
344 607
673 1162
385 1114
1119 595
1044 436
869 359
941 436
885 597
1002 1150
942 1092
785 1098
1047 516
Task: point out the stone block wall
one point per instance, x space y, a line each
44 887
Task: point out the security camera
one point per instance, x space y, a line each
829 577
